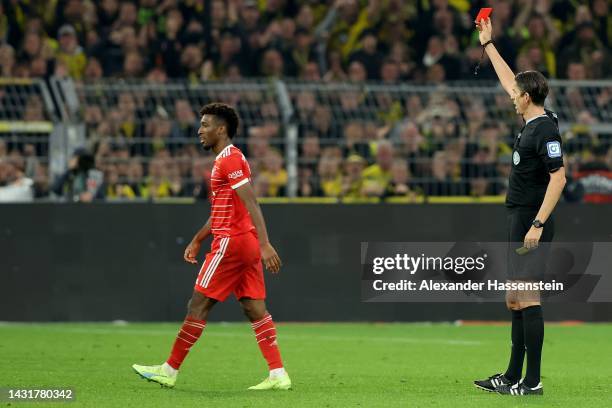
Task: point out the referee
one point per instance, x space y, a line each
536 183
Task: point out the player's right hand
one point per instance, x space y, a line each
270 258
485 30
191 252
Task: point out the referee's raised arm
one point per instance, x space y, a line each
503 71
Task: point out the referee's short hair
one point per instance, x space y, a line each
533 83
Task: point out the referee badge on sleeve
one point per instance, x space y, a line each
516 158
554 149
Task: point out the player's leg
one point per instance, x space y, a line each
251 292
204 297
190 331
265 335
214 283
265 332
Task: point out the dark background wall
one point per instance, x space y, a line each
74 262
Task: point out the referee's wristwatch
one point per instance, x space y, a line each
537 223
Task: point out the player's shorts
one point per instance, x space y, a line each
233 265
531 266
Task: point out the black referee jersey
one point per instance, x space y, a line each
537 153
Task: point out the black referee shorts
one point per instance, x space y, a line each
531 266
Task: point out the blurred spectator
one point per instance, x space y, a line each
603 21
261 186
272 64
588 49
357 72
329 173
369 56
352 181
356 143
442 180
82 181
157 184
399 186
14 185
135 176
376 178
306 185
436 55
499 185
7 56
198 184
275 174
70 52
595 176
185 124
114 188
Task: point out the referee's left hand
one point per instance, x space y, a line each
533 237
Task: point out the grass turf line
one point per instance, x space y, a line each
331 365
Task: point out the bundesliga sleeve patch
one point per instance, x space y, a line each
554 149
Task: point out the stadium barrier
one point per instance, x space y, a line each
104 262
60 115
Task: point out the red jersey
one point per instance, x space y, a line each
229 215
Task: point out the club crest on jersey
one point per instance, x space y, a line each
554 149
235 174
516 158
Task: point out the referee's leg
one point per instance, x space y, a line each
527 304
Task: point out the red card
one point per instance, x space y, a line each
483 14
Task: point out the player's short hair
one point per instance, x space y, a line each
224 112
533 83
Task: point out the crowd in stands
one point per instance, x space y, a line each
410 146
387 40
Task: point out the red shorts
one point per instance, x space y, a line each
233 265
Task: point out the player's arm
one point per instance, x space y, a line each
268 253
503 71
194 246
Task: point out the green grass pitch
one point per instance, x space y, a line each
331 365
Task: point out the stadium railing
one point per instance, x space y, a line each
28 126
467 125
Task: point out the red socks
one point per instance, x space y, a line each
190 333
265 333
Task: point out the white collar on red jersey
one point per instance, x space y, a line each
225 149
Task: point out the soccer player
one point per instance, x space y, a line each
234 264
536 183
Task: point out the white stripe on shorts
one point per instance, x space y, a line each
215 262
212 261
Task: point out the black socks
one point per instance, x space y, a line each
533 325
515 367
527 335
